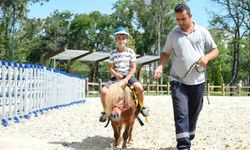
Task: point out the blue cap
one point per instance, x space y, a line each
121 30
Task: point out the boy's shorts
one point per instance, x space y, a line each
131 81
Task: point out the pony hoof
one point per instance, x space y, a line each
124 147
111 147
115 143
131 141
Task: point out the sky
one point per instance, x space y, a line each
198 8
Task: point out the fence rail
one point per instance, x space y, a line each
92 89
27 89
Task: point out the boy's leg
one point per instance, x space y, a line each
139 92
103 93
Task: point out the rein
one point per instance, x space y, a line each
195 65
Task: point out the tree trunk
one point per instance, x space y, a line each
236 60
93 72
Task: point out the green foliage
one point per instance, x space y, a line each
12 15
56 30
219 69
245 59
91 31
234 22
148 22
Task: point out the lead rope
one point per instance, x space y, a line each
185 75
206 83
195 65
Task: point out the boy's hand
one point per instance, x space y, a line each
123 83
119 77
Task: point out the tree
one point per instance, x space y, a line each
28 40
12 12
219 70
235 20
245 61
149 22
92 32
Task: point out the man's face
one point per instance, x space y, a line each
121 40
184 20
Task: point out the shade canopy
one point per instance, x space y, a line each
95 57
83 55
147 59
69 54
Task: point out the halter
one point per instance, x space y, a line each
121 105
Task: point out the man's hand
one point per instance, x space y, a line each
157 73
202 61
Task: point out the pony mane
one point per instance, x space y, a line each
115 92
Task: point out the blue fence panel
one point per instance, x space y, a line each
28 89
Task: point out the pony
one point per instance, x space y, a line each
121 109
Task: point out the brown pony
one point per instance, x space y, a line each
121 109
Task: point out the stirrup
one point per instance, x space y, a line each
103 117
145 111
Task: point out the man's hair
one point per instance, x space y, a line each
182 7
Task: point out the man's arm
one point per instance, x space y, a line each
210 56
163 61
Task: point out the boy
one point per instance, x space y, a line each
122 66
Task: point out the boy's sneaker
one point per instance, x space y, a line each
103 117
145 111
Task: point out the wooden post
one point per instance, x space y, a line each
168 88
223 89
157 88
139 72
99 86
239 90
147 88
87 87
208 89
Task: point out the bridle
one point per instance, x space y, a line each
121 105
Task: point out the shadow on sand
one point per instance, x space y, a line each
96 143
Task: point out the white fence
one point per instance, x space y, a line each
27 90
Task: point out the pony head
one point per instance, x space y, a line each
116 101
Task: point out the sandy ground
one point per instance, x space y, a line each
223 125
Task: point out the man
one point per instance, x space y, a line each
188 43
